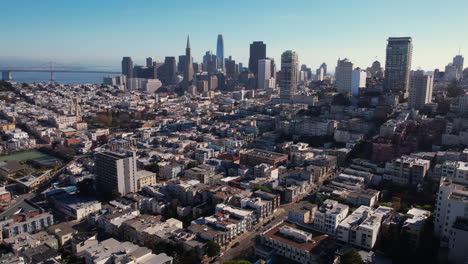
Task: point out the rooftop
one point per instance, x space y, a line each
309 245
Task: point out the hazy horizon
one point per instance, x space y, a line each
99 34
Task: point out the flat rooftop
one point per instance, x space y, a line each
309 246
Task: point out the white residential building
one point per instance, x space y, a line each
361 228
452 204
413 226
75 207
113 251
358 81
420 92
264 73
329 215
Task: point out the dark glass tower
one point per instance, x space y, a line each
220 51
257 52
398 65
127 67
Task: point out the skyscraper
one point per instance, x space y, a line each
231 71
420 92
116 172
375 71
289 72
398 65
220 52
319 74
324 67
273 68
167 72
150 62
458 63
127 67
343 76
358 80
264 73
181 65
257 52
210 62
188 72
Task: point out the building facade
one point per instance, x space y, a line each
289 74
398 65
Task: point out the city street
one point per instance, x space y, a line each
247 240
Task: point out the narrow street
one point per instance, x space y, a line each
247 240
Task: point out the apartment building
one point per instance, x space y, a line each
329 215
116 172
253 157
302 213
74 207
292 242
407 170
452 204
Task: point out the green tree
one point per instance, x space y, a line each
263 188
341 99
351 256
115 194
153 167
212 249
453 90
192 164
85 187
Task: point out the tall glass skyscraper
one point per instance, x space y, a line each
127 67
257 52
289 72
398 65
220 51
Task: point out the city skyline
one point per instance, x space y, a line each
279 27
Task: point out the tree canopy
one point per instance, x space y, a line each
351 256
212 249
453 90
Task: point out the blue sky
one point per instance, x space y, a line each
100 32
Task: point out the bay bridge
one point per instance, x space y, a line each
51 67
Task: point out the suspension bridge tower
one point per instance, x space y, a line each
52 73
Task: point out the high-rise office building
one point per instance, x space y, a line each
264 73
289 72
167 72
188 71
197 67
420 92
116 172
150 61
144 72
181 65
127 67
257 52
210 62
231 71
324 67
451 73
375 71
273 68
458 63
220 51
319 74
358 81
398 65
343 76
